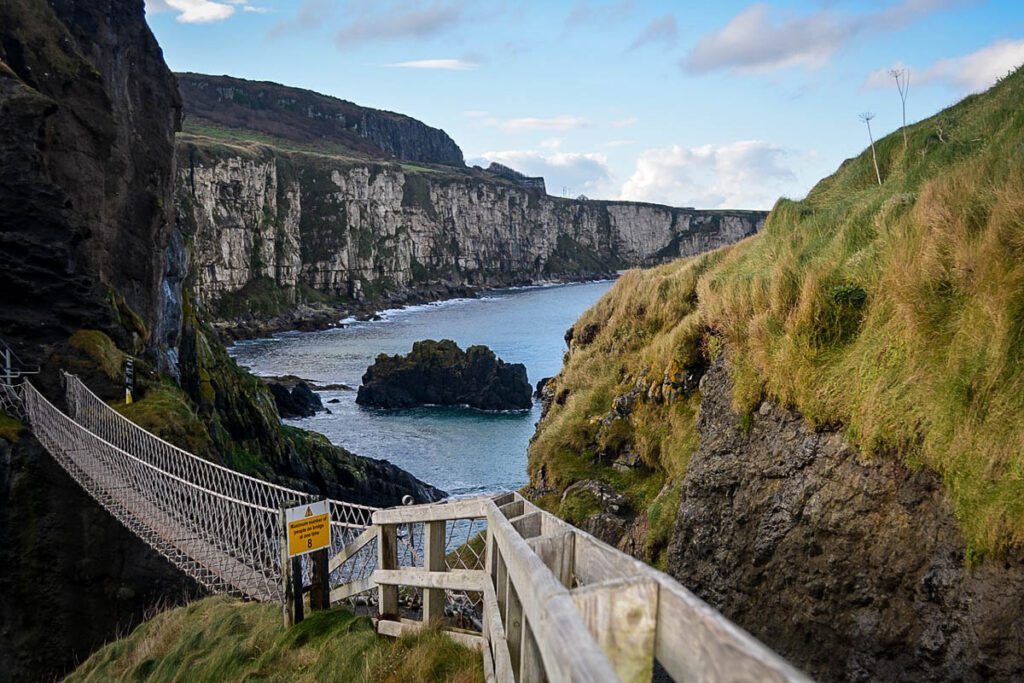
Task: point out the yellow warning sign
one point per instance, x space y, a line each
309 528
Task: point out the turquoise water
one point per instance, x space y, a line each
460 450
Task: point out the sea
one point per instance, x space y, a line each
460 450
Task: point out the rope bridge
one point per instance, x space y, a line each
540 599
218 526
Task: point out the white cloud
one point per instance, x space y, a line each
619 143
551 143
399 19
193 11
968 73
564 122
627 122
662 30
748 174
444 64
579 173
758 39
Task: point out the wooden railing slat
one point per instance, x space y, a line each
622 616
467 508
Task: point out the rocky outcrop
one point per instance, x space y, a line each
440 373
321 226
299 401
307 117
530 183
852 568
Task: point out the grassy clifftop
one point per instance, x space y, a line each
896 311
221 639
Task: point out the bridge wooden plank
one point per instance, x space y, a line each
467 508
503 498
357 544
387 558
434 561
528 525
557 553
514 630
513 509
396 629
714 649
622 617
531 668
488 664
494 632
351 588
455 580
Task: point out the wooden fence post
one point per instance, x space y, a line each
434 561
297 589
387 558
320 581
286 569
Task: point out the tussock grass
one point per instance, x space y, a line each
644 333
222 639
895 311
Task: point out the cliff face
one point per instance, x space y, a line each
85 176
802 539
307 117
355 229
88 112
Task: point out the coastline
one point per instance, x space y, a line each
306 317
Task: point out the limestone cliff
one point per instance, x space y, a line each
358 228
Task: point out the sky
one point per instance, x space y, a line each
723 104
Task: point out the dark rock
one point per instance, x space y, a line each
301 401
88 112
440 373
852 568
335 400
539 392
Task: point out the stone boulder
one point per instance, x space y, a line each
301 401
440 373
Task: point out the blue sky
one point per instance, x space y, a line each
707 104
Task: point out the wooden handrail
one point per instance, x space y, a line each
559 604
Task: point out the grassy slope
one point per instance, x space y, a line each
221 639
896 311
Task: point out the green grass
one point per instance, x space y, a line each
10 428
896 311
166 411
102 350
237 136
223 639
